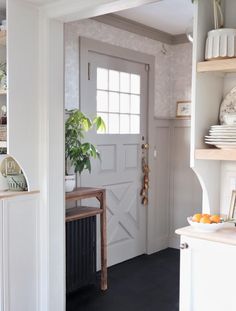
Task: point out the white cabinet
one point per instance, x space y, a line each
207 275
19 253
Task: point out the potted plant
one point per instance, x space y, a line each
78 153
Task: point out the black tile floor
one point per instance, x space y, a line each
145 283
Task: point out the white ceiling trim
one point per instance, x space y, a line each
64 10
141 29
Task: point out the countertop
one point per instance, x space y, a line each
226 235
10 194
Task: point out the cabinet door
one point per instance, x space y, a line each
20 253
207 275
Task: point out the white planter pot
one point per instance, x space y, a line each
221 43
69 183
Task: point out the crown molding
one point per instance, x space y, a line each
73 10
141 29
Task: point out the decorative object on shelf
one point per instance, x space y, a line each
11 170
3 123
3 115
228 105
220 44
183 109
231 214
3 26
78 153
222 136
17 182
220 41
3 77
3 132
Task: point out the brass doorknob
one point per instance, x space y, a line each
145 146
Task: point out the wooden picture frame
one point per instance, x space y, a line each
232 208
183 109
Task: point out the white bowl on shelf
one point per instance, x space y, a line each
206 227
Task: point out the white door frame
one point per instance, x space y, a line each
51 86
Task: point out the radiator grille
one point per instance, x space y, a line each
80 253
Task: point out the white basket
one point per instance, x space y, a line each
221 43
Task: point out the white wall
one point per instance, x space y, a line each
172 71
178 192
23 112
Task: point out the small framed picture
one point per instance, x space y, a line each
232 208
183 109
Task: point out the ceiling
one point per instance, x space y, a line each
42 2
171 16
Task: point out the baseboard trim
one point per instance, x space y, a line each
158 245
174 241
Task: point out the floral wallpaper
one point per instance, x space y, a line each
172 63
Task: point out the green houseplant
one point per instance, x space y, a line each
78 153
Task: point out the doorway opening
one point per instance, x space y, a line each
103 57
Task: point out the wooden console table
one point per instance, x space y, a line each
84 212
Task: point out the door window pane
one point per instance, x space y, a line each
102 79
102 101
124 124
135 84
114 123
104 116
124 103
135 104
118 101
114 80
134 124
114 102
124 82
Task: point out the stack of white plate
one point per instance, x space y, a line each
222 136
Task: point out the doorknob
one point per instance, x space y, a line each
145 146
183 246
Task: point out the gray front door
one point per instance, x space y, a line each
117 91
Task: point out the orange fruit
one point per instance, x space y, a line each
197 217
206 215
205 220
215 219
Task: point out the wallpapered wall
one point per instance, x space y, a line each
172 70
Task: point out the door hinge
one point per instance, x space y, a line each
89 71
147 67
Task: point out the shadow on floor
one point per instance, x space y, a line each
145 283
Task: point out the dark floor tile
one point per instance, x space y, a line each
145 283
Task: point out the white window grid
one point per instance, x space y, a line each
125 87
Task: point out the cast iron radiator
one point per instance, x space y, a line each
80 253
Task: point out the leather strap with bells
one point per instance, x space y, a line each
145 183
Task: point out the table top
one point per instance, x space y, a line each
84 192
226 235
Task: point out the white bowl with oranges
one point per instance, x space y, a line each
206 222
